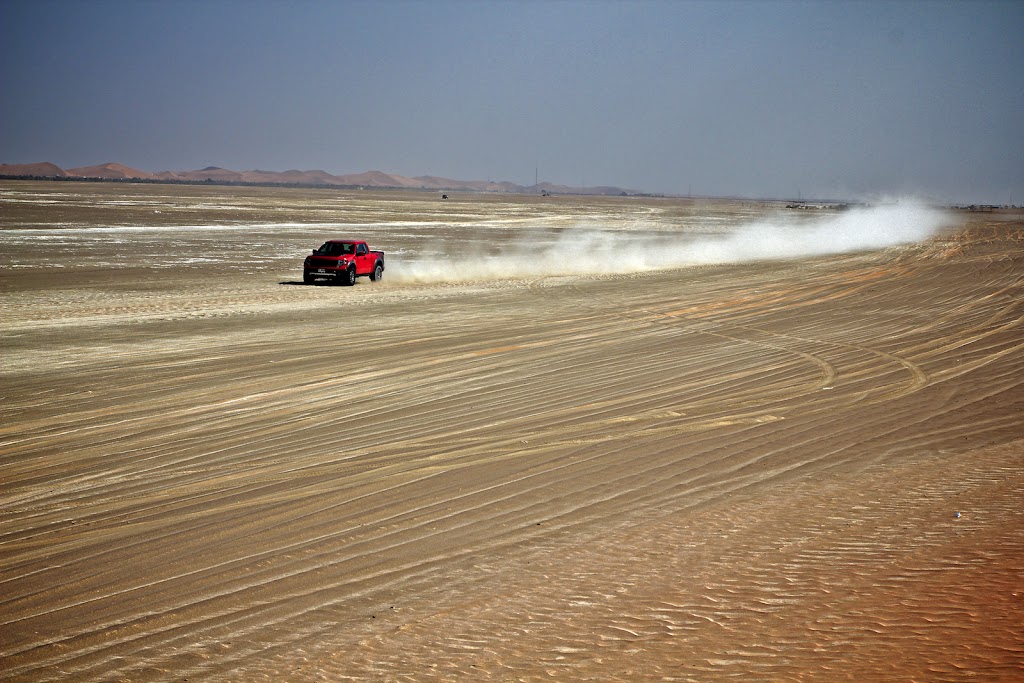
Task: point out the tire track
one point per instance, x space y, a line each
278 509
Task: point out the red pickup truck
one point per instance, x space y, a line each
343 261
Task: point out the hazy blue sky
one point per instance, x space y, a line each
835 99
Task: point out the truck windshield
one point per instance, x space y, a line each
336 248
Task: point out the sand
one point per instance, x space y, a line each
797 470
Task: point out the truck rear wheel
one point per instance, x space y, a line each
378 273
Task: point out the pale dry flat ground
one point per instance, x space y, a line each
793 471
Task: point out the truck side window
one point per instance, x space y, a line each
361 249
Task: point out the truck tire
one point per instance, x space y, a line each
307 279
349 278
378 273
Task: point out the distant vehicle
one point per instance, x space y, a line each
343 261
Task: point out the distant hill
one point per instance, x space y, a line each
375 179
110 170
317 178
214 173
42 169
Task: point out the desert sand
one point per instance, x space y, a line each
804 469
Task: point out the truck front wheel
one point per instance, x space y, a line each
349 278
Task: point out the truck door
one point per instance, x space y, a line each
363 259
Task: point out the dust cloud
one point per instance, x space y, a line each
628 247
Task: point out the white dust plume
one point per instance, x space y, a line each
606 250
